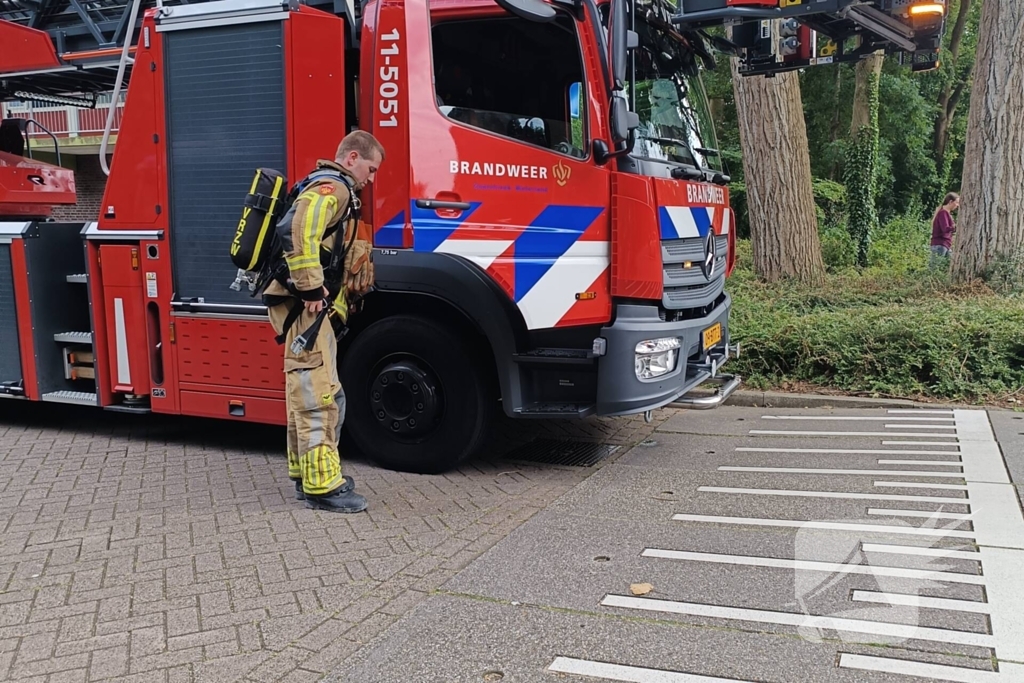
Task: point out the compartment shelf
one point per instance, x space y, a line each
74 337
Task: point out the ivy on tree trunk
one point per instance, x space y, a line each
862 157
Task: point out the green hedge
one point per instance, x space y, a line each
895 329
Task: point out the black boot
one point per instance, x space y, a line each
341 499
346 487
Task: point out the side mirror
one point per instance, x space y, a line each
620 40
622 119
531 10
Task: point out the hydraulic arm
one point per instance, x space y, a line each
772 36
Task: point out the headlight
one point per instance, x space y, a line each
656 357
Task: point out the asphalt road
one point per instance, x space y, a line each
775 545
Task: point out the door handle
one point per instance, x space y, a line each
441 204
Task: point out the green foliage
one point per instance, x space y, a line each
881 330
738 203
838 250
901 246
830 198
1006 273
906 169
827 96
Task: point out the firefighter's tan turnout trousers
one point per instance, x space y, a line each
315 402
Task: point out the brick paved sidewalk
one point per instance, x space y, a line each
134 549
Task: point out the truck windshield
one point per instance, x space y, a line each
669 97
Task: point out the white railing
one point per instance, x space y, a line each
64 121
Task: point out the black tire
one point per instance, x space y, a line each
416 399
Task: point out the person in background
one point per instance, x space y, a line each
943 226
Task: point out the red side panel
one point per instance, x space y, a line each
636 243
25 49
136 191
315 72
384 66
241 406
124 307
229 369
228 354
23 304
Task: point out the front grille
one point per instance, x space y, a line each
687 287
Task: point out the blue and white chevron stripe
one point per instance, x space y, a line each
680 222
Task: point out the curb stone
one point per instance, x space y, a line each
781 399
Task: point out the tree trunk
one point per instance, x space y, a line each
777 168
866 74
862 155
950 95
991 222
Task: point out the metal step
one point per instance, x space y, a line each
570 410
79 278
81 398
74 337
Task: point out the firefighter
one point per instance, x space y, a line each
317 225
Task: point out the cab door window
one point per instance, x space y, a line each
514 78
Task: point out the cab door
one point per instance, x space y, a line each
501 172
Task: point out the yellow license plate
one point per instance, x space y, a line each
712 335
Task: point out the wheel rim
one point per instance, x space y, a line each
406 398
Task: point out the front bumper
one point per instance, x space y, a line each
620 392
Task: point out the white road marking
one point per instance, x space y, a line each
922 485
952 500
836 526
920 601
748 449
857 418
816 566
800 620
998 534
919 513
972 555
804 470
632 674
786 432
920 426
938 463
916 411
1007 672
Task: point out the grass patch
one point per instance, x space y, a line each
894 329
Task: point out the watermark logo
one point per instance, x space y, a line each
863 586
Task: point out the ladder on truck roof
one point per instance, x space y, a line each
69 51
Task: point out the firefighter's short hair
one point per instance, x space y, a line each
362 142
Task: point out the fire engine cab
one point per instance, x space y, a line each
551 224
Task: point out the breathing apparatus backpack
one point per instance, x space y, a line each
256 249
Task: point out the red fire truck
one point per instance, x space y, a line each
551 224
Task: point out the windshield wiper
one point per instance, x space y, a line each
668 141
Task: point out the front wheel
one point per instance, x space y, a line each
416 398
